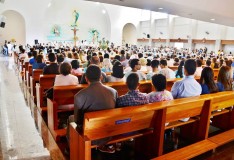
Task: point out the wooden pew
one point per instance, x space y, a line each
103 124
33 80
121 87
144 123
25 79
222 138
28 74
63 95
189 151
218 101
45 82
224 118
198 109
28 89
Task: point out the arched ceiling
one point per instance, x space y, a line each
204 10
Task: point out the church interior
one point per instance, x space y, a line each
43 116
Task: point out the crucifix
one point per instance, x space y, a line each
75 37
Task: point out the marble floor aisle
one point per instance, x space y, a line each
19 138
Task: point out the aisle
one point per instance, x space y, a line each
19 138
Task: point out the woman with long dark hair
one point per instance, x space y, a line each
180 72
224 78
207 82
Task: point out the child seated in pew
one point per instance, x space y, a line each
160 94
133 97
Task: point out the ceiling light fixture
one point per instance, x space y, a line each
104 11
160 8
212 19
49 4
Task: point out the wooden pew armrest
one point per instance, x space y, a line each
80 148
52 108
38 95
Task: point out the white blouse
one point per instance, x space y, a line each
61 80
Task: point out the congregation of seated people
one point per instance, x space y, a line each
130 66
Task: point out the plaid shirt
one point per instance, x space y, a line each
132 98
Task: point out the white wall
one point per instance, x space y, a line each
90 17
39 17
161 30
144 29
14 28
119 16
129 34
230 33
210 28
228 48
181 28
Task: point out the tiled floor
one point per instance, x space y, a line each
19 137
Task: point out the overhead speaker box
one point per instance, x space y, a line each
2 24
36 41
148 35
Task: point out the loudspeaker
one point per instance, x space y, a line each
2 24
127 45
36 41
148 35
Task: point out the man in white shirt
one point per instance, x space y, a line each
9 47
136 66
198 68
23 55
134 55
167 72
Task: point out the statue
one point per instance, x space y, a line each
76 16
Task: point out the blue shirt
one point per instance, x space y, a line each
31 61
187 87
205 89
132 98
38 65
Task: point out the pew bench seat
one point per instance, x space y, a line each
223 138
118 138
180 123
189 151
